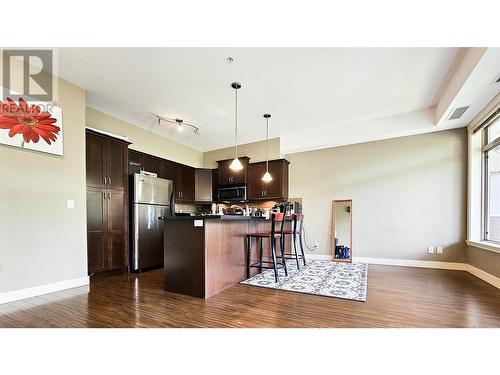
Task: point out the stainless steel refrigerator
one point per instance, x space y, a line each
151 197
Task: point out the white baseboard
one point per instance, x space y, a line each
490 279
16 295
413 263
485 276
319 256
398 262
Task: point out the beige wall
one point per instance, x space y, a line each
42 241
256 151
407 193
143 140
485 260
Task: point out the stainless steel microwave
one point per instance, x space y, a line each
230 194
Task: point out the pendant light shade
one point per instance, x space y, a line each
236 163
267 176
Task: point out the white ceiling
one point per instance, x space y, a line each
318 97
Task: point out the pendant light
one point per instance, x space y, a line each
267 176
236 164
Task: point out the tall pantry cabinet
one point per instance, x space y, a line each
107 203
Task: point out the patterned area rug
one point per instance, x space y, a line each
320 277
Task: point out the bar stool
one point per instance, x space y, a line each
297 225
273 236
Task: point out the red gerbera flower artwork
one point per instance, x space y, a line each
28 121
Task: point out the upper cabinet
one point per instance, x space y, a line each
106 162
151 164
169 171
226 176
95 146
275 189
185 184
203 185
181 175
147 162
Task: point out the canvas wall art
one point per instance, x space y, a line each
31 125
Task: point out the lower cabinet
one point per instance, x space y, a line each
107 233
96 230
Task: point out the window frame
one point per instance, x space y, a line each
486 148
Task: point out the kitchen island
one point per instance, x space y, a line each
205 254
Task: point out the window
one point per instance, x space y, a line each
491 194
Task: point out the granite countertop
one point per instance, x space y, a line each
214 217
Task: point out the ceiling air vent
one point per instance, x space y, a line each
457 113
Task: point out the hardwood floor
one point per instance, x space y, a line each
397 297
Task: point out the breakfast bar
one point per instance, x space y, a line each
205 254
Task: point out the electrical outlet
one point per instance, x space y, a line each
430 249
70 203
439 250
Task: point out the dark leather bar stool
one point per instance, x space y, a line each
297 225
273 236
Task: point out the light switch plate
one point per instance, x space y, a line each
70 203
430 249
198 223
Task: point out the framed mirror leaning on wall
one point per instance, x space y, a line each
341 243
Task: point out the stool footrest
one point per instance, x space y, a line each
261 265
292 255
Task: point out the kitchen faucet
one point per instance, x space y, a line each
245 211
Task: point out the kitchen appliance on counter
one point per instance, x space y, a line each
288 208
150 198
232 194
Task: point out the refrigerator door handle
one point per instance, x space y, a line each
172 203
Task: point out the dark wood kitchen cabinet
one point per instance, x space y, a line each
169 170
276 189
215 184
152 164
147 162
182 175
107 230
107 159
107 203
117 229
184 191
227 177
96 230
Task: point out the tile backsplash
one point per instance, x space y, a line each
198 208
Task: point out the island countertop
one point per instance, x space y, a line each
220 217
205 254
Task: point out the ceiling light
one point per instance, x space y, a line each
181 124
236 164
267 176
